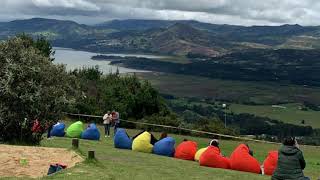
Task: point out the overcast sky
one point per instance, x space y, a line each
239 12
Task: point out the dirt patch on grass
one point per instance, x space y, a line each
19 161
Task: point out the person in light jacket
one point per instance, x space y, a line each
107 118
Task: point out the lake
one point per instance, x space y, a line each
77 59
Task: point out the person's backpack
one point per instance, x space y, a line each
55 168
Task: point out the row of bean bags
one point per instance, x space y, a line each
91 133
122 139
143 143
212 157
270 163
186 150
165 147
241 160
58 130
76 130
199 153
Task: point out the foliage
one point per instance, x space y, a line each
126 94
40 43
238 123
299 67
31 87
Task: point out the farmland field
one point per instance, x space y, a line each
236 91
239 93
290 113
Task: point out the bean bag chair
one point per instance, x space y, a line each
142 143
91 133
164 147
270 163
58 130
212 158
75 130
186 150
241 160
199 153
122 140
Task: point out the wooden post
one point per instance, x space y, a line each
91 155
75 143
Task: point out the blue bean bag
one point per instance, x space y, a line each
164 147
91 133
122 140
58 130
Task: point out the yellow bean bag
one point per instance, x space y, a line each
199 153
142 143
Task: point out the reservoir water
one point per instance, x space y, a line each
77 59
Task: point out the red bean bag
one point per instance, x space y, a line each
241 160
270 163
186 150
212 158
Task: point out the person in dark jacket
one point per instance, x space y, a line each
290 162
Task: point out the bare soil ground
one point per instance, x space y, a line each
20 161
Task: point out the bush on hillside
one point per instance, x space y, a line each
126 94
31 87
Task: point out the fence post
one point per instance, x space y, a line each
91 155
75 143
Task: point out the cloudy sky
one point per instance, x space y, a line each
240 12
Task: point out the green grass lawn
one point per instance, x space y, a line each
125 164
291 114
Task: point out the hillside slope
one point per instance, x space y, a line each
124 164
165 37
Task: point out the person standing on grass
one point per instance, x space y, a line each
116 120
107 118
290 161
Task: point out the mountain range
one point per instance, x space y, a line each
179 38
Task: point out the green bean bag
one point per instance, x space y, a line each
75 130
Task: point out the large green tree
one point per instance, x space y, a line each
31 87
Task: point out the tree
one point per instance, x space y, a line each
31 87
40 43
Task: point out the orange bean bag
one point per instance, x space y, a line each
241 160
270 163
186 150
212 158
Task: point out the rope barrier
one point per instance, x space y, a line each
179 128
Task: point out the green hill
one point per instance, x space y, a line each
124 164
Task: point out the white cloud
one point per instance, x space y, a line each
240 12
72 4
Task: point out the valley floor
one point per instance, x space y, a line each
243 92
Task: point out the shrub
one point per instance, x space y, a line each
31 87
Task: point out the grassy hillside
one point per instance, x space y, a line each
236 91
241 93
124 164
290 113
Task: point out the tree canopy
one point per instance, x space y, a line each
31 87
